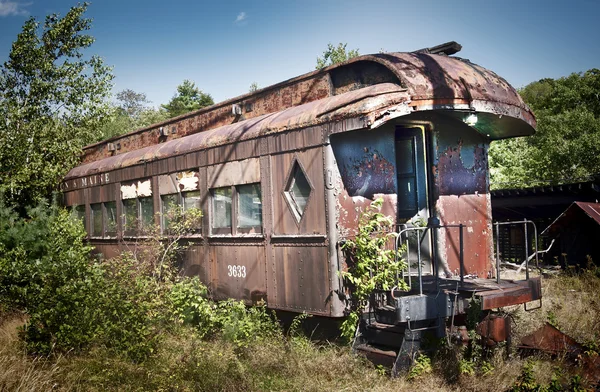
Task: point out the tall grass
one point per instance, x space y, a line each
291 362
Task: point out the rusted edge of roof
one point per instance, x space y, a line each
351 104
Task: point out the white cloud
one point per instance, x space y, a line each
241 17
12 8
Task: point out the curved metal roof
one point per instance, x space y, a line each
428 82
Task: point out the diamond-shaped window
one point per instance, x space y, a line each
297 191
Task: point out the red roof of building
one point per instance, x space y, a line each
591 210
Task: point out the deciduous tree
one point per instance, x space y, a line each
52 99
128 113
335 54
566 146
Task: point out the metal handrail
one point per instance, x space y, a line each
425 229
525 222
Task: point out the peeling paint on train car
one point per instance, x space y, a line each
460 171
187 181
367 170
366 161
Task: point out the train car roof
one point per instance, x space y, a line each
424 82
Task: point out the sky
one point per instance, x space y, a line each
225 46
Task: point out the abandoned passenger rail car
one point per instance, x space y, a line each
282 174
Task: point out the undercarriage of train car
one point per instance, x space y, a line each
431 171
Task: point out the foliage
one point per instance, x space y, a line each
526 381
230 319
188 98
566 146
52 98
421 366
129 113
335 54
371 264
253 87
45 270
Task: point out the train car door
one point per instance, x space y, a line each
411 177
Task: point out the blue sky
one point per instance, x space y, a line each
225 46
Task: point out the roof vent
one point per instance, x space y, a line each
448 49
236 109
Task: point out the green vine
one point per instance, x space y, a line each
371 263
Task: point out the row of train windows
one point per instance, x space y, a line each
235 210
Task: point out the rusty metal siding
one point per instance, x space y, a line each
102 193
367 161
313 219
366 164
74 198
233 254
194 263
301 279
461 194
107 249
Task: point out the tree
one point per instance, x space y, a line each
566 146
188 98
334 55
131 102
253 87
52 98
129 113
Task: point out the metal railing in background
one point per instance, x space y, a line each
525 224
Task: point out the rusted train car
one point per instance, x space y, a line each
282 174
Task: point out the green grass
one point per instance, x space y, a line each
183 362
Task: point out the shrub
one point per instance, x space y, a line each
371 264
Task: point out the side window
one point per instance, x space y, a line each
237 209
97 220
138 207
79 213
221 209
111 218
146 212
169 205
249 207
297 191
130 216
191 200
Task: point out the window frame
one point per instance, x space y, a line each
234 230
138 231
106 233
298 214
92 233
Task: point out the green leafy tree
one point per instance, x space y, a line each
188 98
52 99
253 87
334 55
566 146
